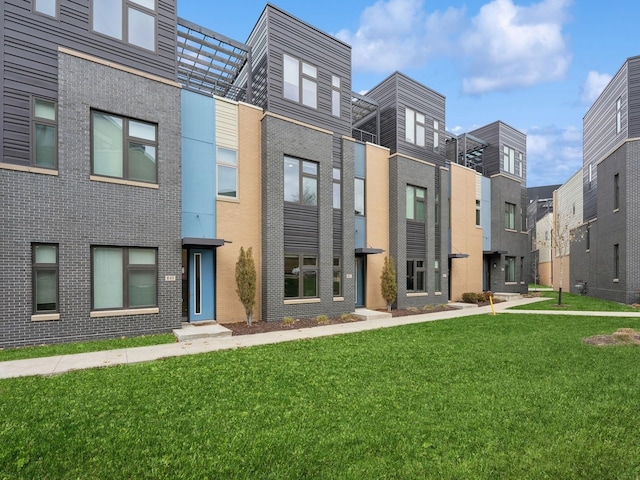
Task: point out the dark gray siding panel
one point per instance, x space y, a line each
337 231
416 240
300 228
497 135
385 93
30 59
599 135
286 34
634 97
258 42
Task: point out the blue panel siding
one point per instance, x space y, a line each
360 160
361 232
485 213
207 285
198 166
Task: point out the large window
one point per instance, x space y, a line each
227 173
45 278
300 276
300 81
132 21
48 7
359 196
44 150
300 181
509 216
124 148
416 278
124 277
512 161
335 96
414 127
337 277
415 203
510 269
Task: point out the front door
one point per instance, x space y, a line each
201 285
360 281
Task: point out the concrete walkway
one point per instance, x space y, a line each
65 363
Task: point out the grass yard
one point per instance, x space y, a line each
506 396
83 347
571 301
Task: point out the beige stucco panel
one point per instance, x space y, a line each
466 237
240 221
377 209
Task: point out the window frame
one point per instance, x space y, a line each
417 128
126 140
436 136
509 216
223 164
413 278
337 276
417 201
126 269
336 96
35 121
616 192
616 261
619 115
301 176
337 185
302 268
124 23
509 269
34 9
44 267
301 77
356 190
478 212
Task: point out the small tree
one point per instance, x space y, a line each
246 282
388 284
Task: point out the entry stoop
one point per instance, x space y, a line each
507 297
191 331
366 314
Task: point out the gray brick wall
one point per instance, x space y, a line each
280 138
76 213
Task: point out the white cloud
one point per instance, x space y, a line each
510 46
594 85
553 154
504 46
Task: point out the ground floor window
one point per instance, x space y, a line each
300 276
510 269
124 277
337 277
415 275
436 276
45 278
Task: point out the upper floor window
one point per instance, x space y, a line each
132 21
414 127
227 173
48 7
300 181
335 96
616 191
124 148
45 134
590 176
358 195
478 212
337 188
45 278
616 261
415 203
300 81
436 136
509 216
619 115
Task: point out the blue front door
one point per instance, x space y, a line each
360 281
201 285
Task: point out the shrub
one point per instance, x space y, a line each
288 320
470 297
322 319
388 285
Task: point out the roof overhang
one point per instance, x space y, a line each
458 255
368 251
495 252
202 242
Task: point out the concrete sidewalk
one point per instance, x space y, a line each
65 363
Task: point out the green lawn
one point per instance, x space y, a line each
82 347
571 301
506 396
535 286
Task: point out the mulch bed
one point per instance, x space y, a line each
623 336
241 328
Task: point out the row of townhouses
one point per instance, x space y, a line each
141 151
595 216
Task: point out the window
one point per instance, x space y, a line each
436 136
509 216
44 150
519 165
590 175
124 148
616 261
510 269
436 276
227 173
414 127
295 267
521 269
509 160
300 181
45 278
416 275
335 96
337 277
616 191
436 213
478 212
337 190
619 115
358 194
415 203
48 7
124 277
132 21
588 238
300 81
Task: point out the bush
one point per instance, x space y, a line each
482 298
470 297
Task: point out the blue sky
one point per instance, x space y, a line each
536 65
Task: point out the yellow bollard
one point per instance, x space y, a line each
493 310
